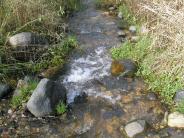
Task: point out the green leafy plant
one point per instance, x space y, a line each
24 94
55 56
132 51
127 15
61 108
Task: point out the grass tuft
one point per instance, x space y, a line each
24 94
61 108
159 55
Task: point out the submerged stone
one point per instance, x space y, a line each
125 68
134 128
4 90
117 68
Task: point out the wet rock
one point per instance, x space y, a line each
82 98
179 96
121 34
125 68
134 128
4 90
26 39
151 96
133 29
117 68
176 120
46 97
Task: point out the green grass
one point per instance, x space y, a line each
55 56
165 84
44 17
129 50
61 108
24 94
127 15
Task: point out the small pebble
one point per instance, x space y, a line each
151 96
132 29
121 34
10 112
120 15
112 8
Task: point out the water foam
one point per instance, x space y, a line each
85 69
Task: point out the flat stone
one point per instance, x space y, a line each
176 119
134 128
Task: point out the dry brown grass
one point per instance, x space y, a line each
166 22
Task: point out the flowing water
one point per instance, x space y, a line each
100 104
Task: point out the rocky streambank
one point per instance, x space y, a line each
104 98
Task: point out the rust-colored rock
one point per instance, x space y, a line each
117 68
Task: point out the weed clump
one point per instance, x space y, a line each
24 94
61 108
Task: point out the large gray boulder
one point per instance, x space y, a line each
46 97
4 90
26 39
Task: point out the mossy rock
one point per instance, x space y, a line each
125 67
